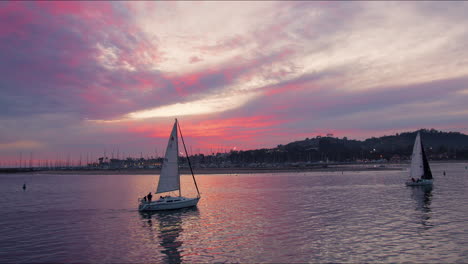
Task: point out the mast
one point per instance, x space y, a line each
190 165
177 159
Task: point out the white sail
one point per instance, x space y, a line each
169 179
417 166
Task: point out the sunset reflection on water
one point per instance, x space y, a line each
168 225
423 197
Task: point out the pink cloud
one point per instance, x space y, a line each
195 59
225 45
54 47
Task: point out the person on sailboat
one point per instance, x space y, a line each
149 197
144 199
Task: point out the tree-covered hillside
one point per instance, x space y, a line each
439 146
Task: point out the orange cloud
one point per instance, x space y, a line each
226 131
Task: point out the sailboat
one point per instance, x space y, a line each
169 179
420 172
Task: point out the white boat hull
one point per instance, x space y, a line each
419 183
168 203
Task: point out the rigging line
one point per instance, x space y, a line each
190 166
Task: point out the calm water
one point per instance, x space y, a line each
294 217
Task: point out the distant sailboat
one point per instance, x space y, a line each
420 172
169 179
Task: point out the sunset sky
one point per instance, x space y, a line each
84 78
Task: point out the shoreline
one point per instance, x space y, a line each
228 171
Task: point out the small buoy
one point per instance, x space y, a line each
24 186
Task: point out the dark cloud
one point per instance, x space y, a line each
309 104
50 59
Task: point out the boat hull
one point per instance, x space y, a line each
167 203
419 183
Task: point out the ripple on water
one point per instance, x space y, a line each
299 217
